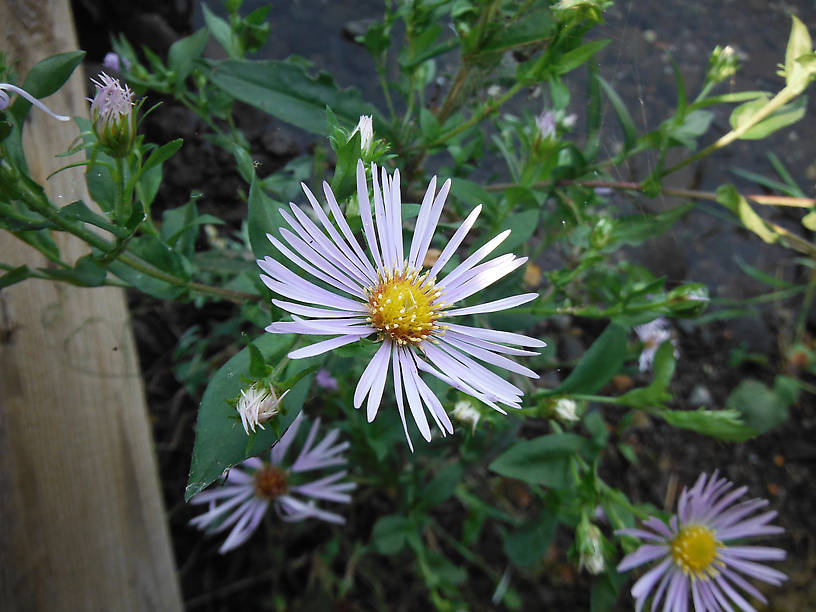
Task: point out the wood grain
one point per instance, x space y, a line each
82 523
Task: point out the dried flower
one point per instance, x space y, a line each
255 484
694 554
257 405
397 301
112 115
5 101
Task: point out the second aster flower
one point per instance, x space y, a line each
395 300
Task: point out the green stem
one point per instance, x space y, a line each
777 102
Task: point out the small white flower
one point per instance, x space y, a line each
567 410
257 405
652 335
464 412
366 128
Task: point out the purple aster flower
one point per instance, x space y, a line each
652 335
251 486
114 62
325 380
397 301
5 101
112 115
696 562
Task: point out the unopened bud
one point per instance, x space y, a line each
590 548
366 128
722 64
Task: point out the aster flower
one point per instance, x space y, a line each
113 61
257 405
325 380
397 302
251 486
694 554
652 335
5 101
112 115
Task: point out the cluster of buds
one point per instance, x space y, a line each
112 115
722 64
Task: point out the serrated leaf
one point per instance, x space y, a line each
220 439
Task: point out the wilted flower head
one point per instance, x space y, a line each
112 115
250 487
566 410
396 301
652 335
464 412
694 553
366 128
257 405
325 380
5 101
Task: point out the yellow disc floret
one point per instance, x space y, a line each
694 550
403 306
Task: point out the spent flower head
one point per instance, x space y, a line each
253 485
464 412
257 405
395 301
113 116
566 410
590 544
697 563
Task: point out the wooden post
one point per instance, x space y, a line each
82 523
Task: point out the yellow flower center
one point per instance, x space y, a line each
694 550
403 309
270 482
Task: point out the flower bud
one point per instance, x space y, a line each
688 300
366 128
601 233
590 547
722 64
112 115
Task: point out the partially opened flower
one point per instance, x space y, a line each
652 335
396 301
698 562
250 487
257 405
112 115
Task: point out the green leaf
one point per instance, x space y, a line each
721 424
441 487
14 275
543 460
809 221
782 117
636 229
471 194
574 58
429 125
184 51
263 218
522 226
655 393
797 75
284 90
79 211
534 27
624 118
159 255
162 154
761 408
390 533
599 364
86 273
46 77
527 545
220 439
728 196
220 30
